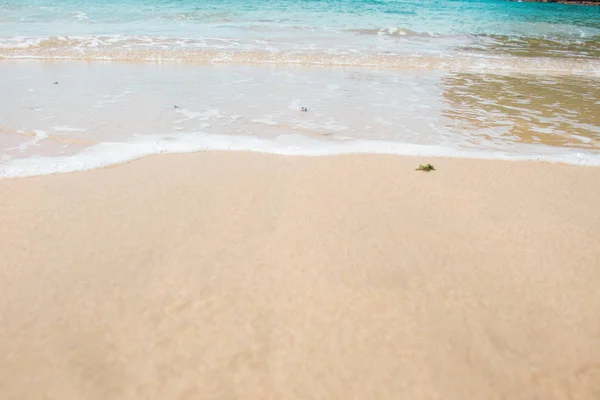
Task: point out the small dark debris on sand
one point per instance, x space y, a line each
55 83
426 168
304 109
175 106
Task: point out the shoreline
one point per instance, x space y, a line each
12 174
224 274
560 66
122 153
113 113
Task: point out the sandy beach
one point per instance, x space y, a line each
253 276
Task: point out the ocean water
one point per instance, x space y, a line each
88 83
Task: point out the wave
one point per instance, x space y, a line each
522 46
461 61
197 16
392 32
419 50
86 42
111 153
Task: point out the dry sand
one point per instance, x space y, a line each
249 276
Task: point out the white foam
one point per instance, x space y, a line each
109 99
39 136
61 128
202 116
265 121
582 138
110 153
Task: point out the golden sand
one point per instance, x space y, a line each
250 276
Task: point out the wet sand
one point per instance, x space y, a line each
252 276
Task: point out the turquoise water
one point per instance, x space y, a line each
492 17
203 30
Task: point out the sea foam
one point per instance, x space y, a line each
110 153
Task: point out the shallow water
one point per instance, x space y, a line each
489 78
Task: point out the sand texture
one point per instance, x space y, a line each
251 276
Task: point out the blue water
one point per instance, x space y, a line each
390 26
493 17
